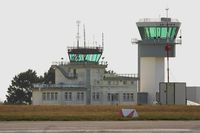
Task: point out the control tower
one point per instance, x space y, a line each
157 35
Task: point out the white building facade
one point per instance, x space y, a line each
86 83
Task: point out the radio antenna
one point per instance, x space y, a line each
78 36
102 39
84 35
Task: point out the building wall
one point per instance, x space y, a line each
151 74
193 94
60 99
95 88
36 97
125 96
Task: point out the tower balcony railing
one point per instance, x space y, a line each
156 20
99 48
41 85
156 41
57 63
114 75
60 63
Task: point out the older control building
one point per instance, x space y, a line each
85 80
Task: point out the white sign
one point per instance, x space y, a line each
129 113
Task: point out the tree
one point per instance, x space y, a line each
49 77
19 92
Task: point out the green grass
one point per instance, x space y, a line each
96 112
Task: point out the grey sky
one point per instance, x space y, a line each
35 33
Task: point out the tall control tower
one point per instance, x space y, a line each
157 35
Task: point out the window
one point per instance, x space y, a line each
95 96
52 96
158 32
56 95
128 97
82 96
43 96
131 98
78 96
109 97
68 96
116 97
124 96
48 95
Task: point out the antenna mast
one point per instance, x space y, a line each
167 47
84 35
102 40
167 9
78 36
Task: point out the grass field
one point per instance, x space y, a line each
96 112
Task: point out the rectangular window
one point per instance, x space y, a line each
108 97
66 96
97 96
56 95
93 96
78 96
163 32
48 96
124 96
131 98
70 96
52 96
173 33
43 96
116 97
82 96
128 98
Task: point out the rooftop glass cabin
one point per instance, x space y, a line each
85 54
164 29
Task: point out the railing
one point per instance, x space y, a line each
60 63
87 47
121 75
57 63
156 20
157 41
57 85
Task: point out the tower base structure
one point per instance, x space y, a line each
151 74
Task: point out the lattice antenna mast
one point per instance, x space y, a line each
102 40
84 34
78 35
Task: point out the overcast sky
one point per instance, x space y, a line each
35 33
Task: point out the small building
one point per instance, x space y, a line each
85 80
173 93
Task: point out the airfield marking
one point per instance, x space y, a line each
94 130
